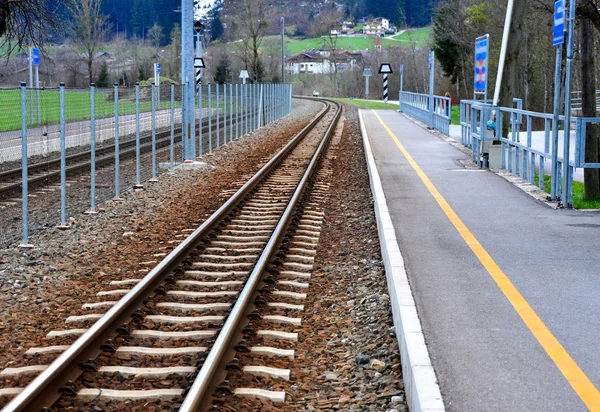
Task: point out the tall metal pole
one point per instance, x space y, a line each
282 50
117 155
138 184
153 120
24 171
555 119
507 22
431 87
566 175
63 162
187 75
92 148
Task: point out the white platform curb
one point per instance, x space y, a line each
422 390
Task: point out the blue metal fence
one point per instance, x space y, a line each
417 106
533 143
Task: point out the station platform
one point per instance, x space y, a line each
507 289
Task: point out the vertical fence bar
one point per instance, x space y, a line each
172 143
217 119
201 117
231 112
117 163
154 177
63 161
183 131
92 149
260 106
225 113
237 111
24 171
209 118
138 183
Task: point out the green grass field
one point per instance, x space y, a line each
77 107
346 43
368 104
418 36
579 201
455 115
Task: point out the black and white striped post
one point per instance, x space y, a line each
385 69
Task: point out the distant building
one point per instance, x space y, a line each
378 26
321 62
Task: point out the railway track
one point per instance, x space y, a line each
168 337
45 173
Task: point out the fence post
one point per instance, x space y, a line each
172 145
153 120
24 172
138 184
209 118
217 109
92 149
63 162
231 112
224 113
117 154
260 106
183 139
237 111
200 115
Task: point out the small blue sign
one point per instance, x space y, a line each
35 57
157 68
559 23
482 45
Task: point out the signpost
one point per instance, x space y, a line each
482 49
385 69
157 81
198 61
35 60
366 74
558 40
244 76
198 66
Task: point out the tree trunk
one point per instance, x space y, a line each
588 78
509 86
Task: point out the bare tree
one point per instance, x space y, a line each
23 21
326 24
90 28
251 25
155 34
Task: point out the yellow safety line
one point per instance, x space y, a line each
578 380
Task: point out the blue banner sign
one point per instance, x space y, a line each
559 23
482 47
35 57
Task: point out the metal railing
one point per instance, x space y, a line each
436 116
79 130
533 145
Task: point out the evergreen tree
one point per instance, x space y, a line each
104 77
222 69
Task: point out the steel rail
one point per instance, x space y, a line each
205 381
45 389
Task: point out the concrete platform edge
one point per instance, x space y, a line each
420 382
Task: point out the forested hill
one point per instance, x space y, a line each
136 17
